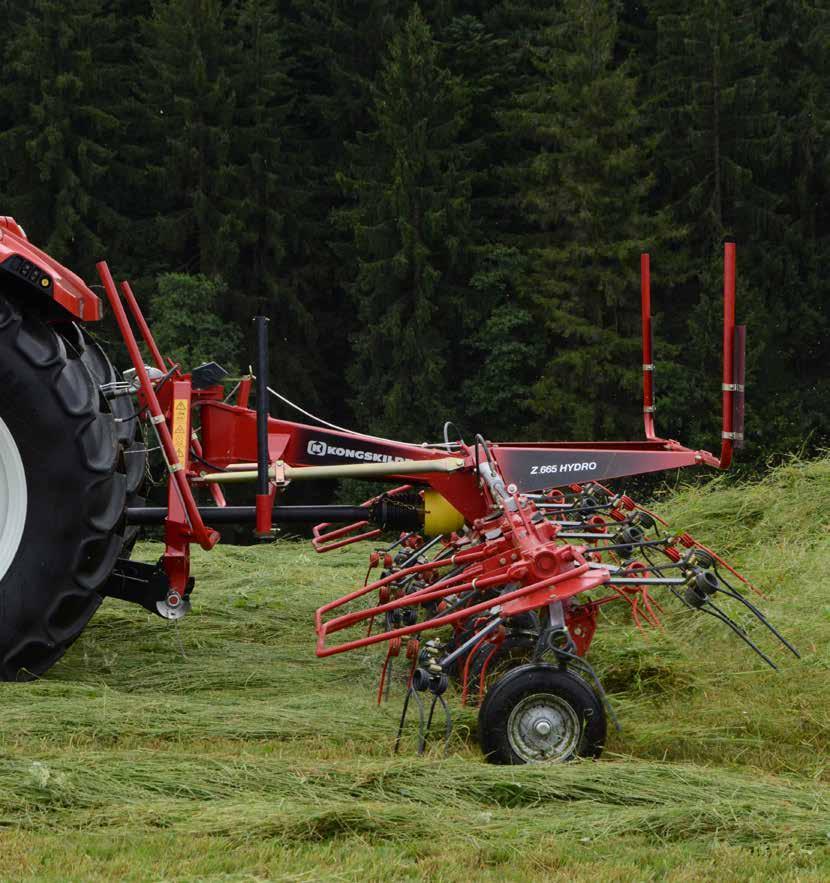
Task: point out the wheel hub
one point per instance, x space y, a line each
13 498
543 727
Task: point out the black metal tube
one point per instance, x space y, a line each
261 324
470 642
739 377
247 514
647 581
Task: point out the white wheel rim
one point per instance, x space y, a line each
543 728
13 499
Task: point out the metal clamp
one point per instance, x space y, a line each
737 436
732 387
649 409
158 419
648 367
278 476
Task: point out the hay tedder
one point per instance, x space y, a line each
505 552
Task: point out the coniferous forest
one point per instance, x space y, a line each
441 206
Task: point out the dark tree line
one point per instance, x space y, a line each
441 206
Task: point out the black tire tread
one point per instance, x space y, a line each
100 500
127 427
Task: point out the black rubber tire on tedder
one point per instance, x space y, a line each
540 713
59 427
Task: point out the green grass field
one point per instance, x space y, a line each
222 749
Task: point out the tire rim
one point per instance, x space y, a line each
543 727
13 499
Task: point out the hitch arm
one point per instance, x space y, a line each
206 537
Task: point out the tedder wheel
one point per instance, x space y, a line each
62 494
516 649
539 713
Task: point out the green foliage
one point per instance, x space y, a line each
504 343
723 90
410 227
584 188
190 101
441 207
185 313
714 69
261 180
55 154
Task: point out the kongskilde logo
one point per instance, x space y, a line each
318 448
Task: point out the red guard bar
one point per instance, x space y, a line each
728 385
155 353
648 340
143 327
206 537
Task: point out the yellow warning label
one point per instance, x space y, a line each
181 429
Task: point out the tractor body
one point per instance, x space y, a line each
29 271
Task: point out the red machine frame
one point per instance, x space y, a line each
522 533
229 441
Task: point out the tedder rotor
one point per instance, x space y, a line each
505 553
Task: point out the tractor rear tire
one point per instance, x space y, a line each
62 494
127 425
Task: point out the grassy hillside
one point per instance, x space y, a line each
222 749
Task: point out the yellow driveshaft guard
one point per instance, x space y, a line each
440 516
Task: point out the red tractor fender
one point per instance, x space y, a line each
34 270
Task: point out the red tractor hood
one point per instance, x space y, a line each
43 274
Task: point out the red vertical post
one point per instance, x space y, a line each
143 327
206 537
177 531
155 353
648 354
728 384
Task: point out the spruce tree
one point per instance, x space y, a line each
334 49
503 348
713 78
789 383
188 93
409 224
265 205
262 175
56 153
714 84
584 194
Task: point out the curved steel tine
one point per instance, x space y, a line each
422 736
431 713
680 598
438 698
739 596
720 615
587 668
403 720
447 724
